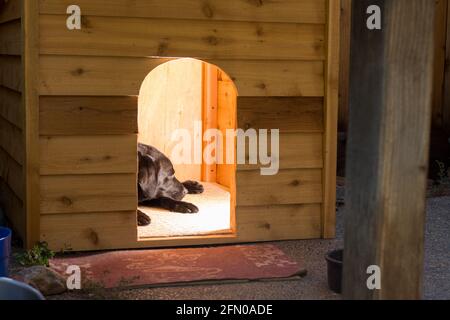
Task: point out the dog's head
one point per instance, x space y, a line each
157 176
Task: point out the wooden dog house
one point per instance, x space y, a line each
69 113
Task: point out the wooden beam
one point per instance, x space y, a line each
446 90
30 65
387 155
210 104
331 120
344 79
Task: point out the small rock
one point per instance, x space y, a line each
47 281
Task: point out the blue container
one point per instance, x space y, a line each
14 290
5 251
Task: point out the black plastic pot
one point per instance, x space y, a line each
334 265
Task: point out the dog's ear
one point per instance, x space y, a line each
145 158
150 158
146 174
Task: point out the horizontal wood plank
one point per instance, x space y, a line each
287 187
117 230
288 114
296 151
137 37
275 78
296 11
89 231
71 115
88 193
94 76
88 154
11 140
281 222
11 72
11 106
11 38
11 10
12 174
113 76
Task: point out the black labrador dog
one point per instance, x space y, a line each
158 186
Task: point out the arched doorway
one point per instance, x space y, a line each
186 107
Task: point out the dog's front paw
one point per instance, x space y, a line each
143 219
193 187
185 207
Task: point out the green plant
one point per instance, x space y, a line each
39 255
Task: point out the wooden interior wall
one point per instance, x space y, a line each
12 158
210 114
275 52
171 98
441 89
227 119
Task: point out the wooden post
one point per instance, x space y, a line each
346 13
446 89
30 96
390 116
210 100
331 121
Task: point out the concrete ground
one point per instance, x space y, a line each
311 254
437 249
